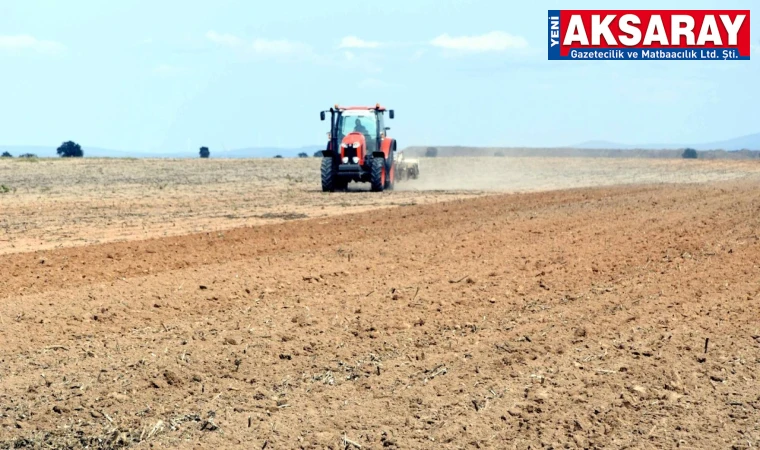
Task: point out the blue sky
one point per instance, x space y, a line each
172 75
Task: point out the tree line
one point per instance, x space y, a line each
68 149
206 153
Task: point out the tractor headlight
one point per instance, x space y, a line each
355 159
344 145
345 159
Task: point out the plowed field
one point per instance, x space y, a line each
593 316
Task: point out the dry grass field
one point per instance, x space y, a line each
493 303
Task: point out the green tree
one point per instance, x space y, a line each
70 149
6 155
689 153
205 152
431 152
303 155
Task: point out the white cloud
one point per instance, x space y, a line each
352 61
266 47
360 62
278 47
224 39
417 55
355 42
25 42
495 41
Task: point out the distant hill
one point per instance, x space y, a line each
748 142
459 151
609 145
251 152
601 145
448 151
744 147
257 152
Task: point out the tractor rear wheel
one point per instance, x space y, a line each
390 177
377 174
329 175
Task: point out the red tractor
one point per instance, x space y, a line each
358 148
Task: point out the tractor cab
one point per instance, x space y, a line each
358 148
362 123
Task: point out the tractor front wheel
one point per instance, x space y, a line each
377 174
329 175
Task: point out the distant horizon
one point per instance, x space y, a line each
731 144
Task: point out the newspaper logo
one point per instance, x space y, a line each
649 35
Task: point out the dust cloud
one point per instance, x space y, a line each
525 174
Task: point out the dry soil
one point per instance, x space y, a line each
593 317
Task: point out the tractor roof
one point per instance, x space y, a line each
377 107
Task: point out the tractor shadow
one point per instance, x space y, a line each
353 188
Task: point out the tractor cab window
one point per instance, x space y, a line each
365 123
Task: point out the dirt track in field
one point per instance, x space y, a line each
574 318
